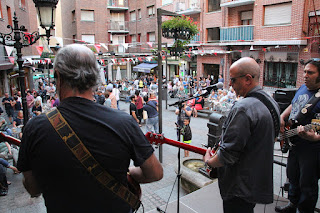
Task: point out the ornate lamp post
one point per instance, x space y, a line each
17 33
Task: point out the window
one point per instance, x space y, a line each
139 14
246 17
151 37
133 16
277 14
213 5
87 15
88 39
9 16
133 39
1 16
280 74
73 16
22 3
213 34
139 37
151 11
166 2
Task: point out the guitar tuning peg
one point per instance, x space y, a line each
151 135
156 137
162 136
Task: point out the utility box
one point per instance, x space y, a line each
215 128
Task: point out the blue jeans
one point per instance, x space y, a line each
153 123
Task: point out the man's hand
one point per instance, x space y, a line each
207 156
310 135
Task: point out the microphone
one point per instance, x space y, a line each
216 86
208 89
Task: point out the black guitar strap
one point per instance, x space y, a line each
272 109
79 150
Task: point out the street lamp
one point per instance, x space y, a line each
14 37
46 10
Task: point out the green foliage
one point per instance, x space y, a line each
45 55
180 22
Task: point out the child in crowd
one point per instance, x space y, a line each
187 134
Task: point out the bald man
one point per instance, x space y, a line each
245 156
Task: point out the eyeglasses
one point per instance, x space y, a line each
233 80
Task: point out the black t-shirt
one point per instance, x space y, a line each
7 106
113 137
133 108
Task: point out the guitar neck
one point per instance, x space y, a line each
157 139
9 139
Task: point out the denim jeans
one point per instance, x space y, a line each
153 123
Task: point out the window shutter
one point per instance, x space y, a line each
277 14
246 15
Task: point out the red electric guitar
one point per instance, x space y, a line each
157 139
133 186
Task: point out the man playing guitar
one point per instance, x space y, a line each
112 137
303 167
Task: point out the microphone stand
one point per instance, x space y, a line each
180 105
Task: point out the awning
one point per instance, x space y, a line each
144 67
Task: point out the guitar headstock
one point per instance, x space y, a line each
316 124
155 139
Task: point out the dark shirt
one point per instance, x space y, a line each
7 106
133 108
34 108
113 138
18 121
17 106
186 132
151 108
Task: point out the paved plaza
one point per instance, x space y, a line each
154 194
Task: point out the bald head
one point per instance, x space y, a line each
247 65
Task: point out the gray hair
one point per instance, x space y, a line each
77 67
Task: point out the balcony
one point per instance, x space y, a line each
235 3
195 39
188 8
118 27
236 33
118 5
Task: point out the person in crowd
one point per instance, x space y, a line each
113 99
37 97
4 126
213 100
3 177
111 136
100 99
7 102
151 106
17 106
56 101
116 93
52 89
187 134
18 124
37 109
245 155
185 113
231 95
30 102
199 103
303 166
139 105
220 79
107 103
133 109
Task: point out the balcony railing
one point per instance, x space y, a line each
188 7
118 26
118 4
236 33
235 3
195 39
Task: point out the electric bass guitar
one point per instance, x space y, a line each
133 186
284 138
159 139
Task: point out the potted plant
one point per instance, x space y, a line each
182 29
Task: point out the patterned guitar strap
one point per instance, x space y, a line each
79 150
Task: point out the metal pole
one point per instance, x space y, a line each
159 22
47 64
167 74
18 46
